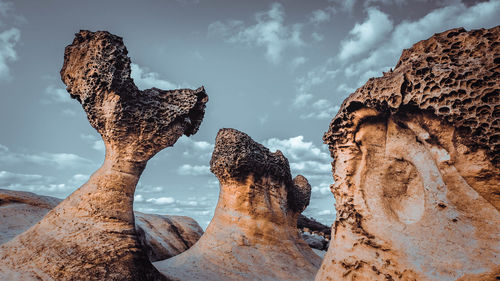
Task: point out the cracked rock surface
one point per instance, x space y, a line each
416 166
91 234
253 235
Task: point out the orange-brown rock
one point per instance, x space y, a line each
161 236
91 234
416 166
253 234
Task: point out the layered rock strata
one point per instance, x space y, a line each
253 234
416 166
91 234
161 236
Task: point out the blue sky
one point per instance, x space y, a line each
277 70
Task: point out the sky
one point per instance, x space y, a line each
276 70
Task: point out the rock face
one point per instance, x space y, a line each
91 234
416 166
253 235
161 236
20 210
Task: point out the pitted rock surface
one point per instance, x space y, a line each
253 234
455 75
417 182
91 234
97 73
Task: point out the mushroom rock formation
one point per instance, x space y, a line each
161 236
416 166
91 234
253 234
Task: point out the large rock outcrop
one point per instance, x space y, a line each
161 236
416 166
91 234
253 234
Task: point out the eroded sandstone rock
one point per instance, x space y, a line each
253 235
91 234
416 166
161 236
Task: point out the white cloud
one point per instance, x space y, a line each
321 109
96 141
201 150
41 184
296 149
322 188
57 160
161 200
144 79
9 37
305 157
317 37
322 15
364 36
193 170
8 40
407 33
56 95
268 32
345 5
298 61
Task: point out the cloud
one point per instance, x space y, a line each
200 150
345 5
322 15
41 184
317 37
364 36
8 40
144 79
193 170
268 32
9 37
304 157
298 61
407 33
161 200
96 141
56 95
57 160
321 109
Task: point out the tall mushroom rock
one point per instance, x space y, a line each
416 166
91 235
253 234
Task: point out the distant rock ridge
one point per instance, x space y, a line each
161 236
91 234
416 166
253 234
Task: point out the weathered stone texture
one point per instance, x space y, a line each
253 235
416 154
91 234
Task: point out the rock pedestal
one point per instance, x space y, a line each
253 235
91 234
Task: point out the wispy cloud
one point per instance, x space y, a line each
56 160
145 79
364 36
269 32
385 54
9 38
54 94
194 170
